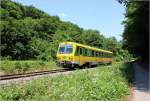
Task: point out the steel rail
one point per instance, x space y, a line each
23 75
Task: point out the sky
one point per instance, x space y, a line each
105 16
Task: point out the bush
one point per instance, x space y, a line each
25 66
123 55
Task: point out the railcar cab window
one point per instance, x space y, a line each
65 49
69 49
62 49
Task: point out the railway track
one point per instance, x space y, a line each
23 75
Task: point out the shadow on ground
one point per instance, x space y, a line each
141 78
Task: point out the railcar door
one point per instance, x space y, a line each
78 55
81 56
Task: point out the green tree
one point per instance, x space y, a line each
136 33
92 38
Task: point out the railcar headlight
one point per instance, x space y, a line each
58 58
70 58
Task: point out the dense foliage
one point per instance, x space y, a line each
29 33
108 83
136 33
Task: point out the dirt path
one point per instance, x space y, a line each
141 90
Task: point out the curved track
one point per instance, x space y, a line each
23 75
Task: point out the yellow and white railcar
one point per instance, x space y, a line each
74 54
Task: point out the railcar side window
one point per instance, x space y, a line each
84 54
102 54
95 54
105 55
77 53
89 52
85 50
99 54
81 51
92 53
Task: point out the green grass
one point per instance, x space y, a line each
106 83
10 67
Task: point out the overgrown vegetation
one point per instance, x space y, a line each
29 33
136 32
9 67
107 83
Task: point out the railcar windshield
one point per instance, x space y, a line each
66 49
61 49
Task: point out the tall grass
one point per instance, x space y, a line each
107 83
25 66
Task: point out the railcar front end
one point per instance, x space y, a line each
65 55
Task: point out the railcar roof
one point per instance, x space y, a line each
86 46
